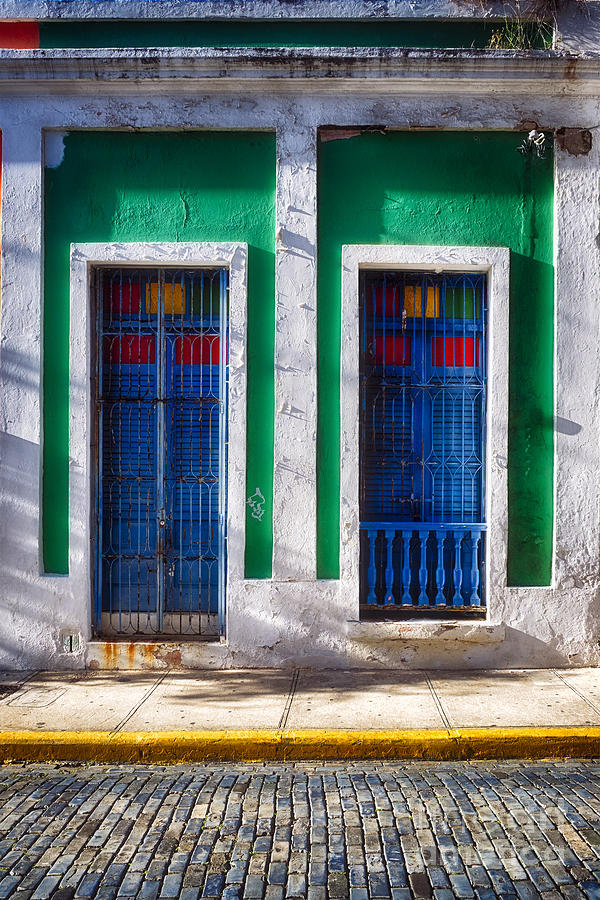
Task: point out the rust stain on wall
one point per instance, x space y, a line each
110 653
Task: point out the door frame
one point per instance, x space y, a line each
82 462
495 262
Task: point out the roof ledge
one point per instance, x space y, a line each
474 71
258 9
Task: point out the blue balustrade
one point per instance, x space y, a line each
406 573
427 565
423 599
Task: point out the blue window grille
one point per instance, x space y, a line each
161 436
422 441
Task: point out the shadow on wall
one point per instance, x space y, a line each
34 607
25 611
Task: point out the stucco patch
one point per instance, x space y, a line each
54 148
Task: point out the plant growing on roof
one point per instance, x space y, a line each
528 22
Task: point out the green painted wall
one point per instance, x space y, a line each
448 188
160 187
282 33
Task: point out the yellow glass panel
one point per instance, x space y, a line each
412 301
174 295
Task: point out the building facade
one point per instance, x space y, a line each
300 334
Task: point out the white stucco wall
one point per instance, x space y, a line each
293 619
260 9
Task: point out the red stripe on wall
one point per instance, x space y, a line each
129 350
454 351
394 350
196 350
19 35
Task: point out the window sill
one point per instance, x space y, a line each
471 632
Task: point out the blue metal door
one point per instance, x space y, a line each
161 401
423 402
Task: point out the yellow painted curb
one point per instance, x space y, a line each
305 744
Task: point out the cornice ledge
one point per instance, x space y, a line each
566 72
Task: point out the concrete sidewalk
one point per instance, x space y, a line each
273 714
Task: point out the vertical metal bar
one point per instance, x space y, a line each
403 397
179 483
222 473
463 394
99 418
378 428
119 406
139 458
139 454
483 437
161 452
443 404
418 432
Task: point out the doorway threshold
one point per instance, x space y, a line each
197 652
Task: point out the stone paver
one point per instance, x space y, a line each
120 701
269 832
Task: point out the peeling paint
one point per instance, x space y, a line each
278 622
338 134
576 141
171 657
54 147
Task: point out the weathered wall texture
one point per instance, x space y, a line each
459 190
113 108
160 187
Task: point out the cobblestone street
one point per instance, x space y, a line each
317 831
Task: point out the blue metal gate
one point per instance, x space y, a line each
161 430
422 441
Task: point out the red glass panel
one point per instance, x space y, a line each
393 350
129 350
393 301
124 298
198 350
455 351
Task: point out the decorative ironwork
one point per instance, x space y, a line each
422 473
161 395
